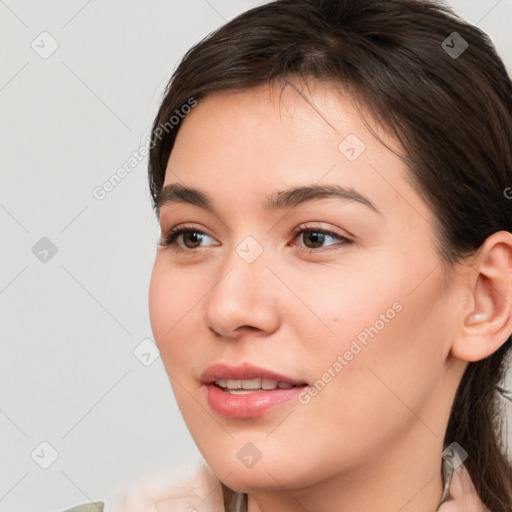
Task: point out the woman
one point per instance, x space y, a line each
332 293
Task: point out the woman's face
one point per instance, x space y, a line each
342 293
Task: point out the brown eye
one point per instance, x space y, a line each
192 239
313 239
182 239
316 238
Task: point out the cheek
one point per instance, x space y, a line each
176 322
367 335
160 298
340 305
366 398
169 302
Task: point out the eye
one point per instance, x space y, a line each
189 238
183 238
317 238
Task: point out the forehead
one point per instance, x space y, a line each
317 111
250 142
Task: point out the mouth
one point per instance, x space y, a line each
247 391
247 377
242 387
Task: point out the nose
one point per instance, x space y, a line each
243 300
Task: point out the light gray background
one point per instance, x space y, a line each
70 324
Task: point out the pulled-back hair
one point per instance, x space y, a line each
450 111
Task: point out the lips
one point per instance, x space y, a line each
222 387
245 371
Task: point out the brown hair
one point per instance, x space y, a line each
451 113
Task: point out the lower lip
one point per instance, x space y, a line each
248 405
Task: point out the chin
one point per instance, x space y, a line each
251 481
261 476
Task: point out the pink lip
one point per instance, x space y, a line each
250 405
247 405
243 371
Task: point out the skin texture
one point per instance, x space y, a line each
374 434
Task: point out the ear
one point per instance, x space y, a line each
486 322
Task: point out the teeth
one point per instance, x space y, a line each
234 384
244 384
252 384
268 384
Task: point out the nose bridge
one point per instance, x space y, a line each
241 295
242 276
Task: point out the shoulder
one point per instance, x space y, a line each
190 489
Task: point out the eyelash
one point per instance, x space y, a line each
169 239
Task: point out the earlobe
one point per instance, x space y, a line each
489 322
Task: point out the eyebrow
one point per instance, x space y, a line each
291 198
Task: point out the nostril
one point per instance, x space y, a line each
240 330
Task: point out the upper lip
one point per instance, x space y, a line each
242 372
